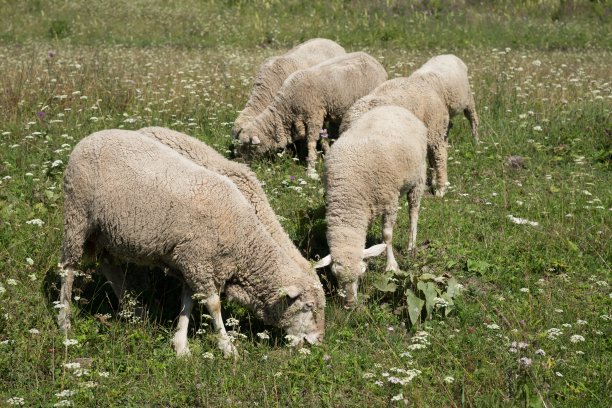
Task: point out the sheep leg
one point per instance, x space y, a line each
213 305
471 114
438 157
180 337
388 221
67 276
414 204
75 235
313 128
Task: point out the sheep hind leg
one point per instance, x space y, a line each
414 204
388 221
440 164
179 342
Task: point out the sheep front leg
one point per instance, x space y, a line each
67 276
414 204
313 128
180 337
213 305
388 220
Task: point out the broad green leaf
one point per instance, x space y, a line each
430 291
415 306
451 289
427 276
479 267
385 284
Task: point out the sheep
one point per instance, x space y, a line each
381 156
138 200
434 93
307 98
243 177
273 72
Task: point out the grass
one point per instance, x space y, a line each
541 76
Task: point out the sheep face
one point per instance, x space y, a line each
348 279
303 317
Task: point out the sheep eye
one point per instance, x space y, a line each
308 306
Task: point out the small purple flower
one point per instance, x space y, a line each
51 54
41 115
525 362
292 178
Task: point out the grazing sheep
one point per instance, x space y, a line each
242 176
307 98
138 200
434 93
381 156
273 72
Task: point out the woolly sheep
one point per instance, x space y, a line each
434 93
243 177
381 156
307 97
138 200
273 72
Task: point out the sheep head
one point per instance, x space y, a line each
301 307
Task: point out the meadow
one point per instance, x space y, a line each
531 326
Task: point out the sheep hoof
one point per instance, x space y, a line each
228 349
183 353
392 266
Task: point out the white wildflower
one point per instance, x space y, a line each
63 403
36 221
292 340
34 331
524 290
56 163
525 362
581 322
208 355
232 322
104 374
15 401
576 338
397 397
553 333
520 221
492 326
2 289
536 62
11 282
65 393
558 374
367 376
89 384
263 335
304 351
70 342
449 379
540 352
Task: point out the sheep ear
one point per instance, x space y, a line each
292 291
255 140
374 250
323 262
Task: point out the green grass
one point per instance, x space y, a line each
190 67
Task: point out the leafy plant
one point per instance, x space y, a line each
425 295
